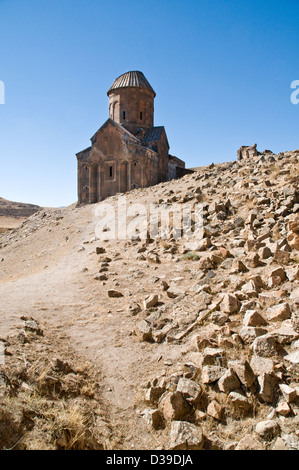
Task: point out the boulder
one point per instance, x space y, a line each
249 442
215 410
213 356
261 365
32 326
293 235
250 289
228 382
185 436
134 308
174 406
114 293
249 333
267 387
265 346
230 304
265 253
253 260
153 418
151 301
282 257
143 331
211 374
238 267
190 389
174 291
292 273
294 297
253 318
100 250
293 357
240 403
101 277
243 371
283 409
279 312
154 393
288 392
276 277
295 320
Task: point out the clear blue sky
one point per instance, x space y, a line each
221 69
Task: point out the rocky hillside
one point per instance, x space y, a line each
196 344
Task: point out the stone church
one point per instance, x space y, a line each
128 151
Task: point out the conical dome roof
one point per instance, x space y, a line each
131 79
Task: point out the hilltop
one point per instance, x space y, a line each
158 342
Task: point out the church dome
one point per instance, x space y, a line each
131 79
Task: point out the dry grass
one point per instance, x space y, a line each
52 404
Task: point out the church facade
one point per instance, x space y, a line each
128 151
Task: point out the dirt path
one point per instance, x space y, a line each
64 294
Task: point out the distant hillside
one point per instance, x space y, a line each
16 209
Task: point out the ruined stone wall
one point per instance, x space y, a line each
246 152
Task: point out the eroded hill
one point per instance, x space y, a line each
196 343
